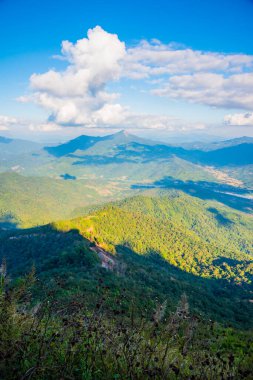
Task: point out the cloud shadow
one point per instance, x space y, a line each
235 197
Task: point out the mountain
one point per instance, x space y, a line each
89 311
163 245
98 169
123 148
17 155
5 140
195 241
30 201
80 143
237 154
83 143
139 262
17 146
216 143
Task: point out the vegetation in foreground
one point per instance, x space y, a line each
81 321
48 340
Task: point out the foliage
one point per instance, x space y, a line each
48 341
144 225
66 264
31 201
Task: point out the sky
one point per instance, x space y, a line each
156 68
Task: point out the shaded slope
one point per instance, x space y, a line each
239 155
65 263
84 143
146 230
235 197
17 146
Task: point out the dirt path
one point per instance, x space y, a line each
107 261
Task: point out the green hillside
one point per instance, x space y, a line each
176 291
170 266
212 221
146 225
123 156
30 201
173 231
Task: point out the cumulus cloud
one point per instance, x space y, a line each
239 119
79 95
213 79
148 59
44 127
6 122
159 122
235 91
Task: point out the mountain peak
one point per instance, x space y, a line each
124 132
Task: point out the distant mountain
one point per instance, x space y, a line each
110 167
233 154
79 143
122 146
17 146
83 143
214 145
20 155
230 143
5 140
30 201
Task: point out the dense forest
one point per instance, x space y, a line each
197 239
141 276
126 190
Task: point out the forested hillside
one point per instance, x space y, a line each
172 252
146 225
130 271
147 237
31 201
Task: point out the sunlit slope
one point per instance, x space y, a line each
149 225
30 201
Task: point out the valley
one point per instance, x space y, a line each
126 190
90 170
100 218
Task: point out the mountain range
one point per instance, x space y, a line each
127 238
89 170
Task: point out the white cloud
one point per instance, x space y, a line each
6 122
213 79
235 91
159 122
78 95
9 122
239 119
148 59
46 127
110 114
3 128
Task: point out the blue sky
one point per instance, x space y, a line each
156 98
